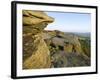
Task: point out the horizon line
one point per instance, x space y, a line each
71 31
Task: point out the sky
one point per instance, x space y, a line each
70 22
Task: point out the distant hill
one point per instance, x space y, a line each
87 34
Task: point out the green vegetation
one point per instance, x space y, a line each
86 46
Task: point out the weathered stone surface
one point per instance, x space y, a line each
70 42
66 49
36 53
35 17
35 21
40 57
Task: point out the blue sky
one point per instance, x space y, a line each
70 22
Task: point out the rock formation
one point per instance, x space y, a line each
35 51
66 49
48 49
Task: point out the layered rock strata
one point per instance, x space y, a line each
35 51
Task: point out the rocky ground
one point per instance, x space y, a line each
48 49
67 50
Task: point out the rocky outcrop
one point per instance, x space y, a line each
69 42
66 49
35 51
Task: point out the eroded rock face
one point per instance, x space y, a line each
35 21
66 50
35 51
69 42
